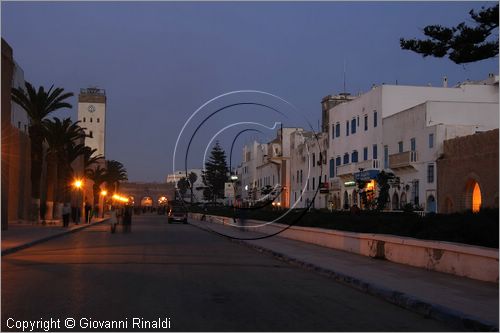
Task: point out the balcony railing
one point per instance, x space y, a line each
368 165
346 169
402 160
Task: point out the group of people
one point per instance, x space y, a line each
123 215
74 212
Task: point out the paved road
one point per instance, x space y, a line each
199 280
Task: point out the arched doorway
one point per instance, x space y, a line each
146 204
448 205
473 197
403 200
395 201
346 200
431 204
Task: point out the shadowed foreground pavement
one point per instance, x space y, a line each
200 281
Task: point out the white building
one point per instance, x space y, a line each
266 168
19 117
309 179
413 141
360 128
92 117
198 185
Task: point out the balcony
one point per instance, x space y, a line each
368 165
346 169
402 160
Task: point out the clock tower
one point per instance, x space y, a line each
92 117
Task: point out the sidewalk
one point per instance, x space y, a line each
21 236
461 302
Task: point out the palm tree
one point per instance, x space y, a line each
98 176
61 137
89 159
116 173
38 104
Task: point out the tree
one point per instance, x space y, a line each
98 176
38 104
462 44
215 174
61 136
383 186
116 173
182 187
192 177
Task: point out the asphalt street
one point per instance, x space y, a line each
198 280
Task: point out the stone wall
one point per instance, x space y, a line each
472 158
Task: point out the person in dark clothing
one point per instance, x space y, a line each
127 219
88 207
66 211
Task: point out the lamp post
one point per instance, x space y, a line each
78 186
103 196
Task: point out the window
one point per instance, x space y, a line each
346 158
357 121
83 119
431 140
386 157
301 176
19 124
354 156
338 161
314 159
90 119
374 152
90 134
337 130
98 120
365 153
353 126
400 146
333 131
347 128
413 144
430 173
297 176
366 122
332 168
414 193
314 183
374 118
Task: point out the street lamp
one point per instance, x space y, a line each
78 184
103 195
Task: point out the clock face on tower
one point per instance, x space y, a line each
91 108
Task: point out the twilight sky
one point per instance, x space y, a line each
160 61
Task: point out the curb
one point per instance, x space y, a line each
449 316
42 240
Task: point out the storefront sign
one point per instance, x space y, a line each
366 175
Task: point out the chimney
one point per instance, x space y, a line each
445 82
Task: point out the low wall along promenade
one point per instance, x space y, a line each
470 261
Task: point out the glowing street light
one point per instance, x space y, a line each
104 193
78 183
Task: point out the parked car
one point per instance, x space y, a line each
177 213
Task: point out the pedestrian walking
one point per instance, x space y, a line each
113 219
66 211
127 219
88 207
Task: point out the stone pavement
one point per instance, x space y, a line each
20 236
464 303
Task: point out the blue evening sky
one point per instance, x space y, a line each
160 61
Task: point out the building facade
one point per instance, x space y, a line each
380 128
92 117
198 185
16 159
